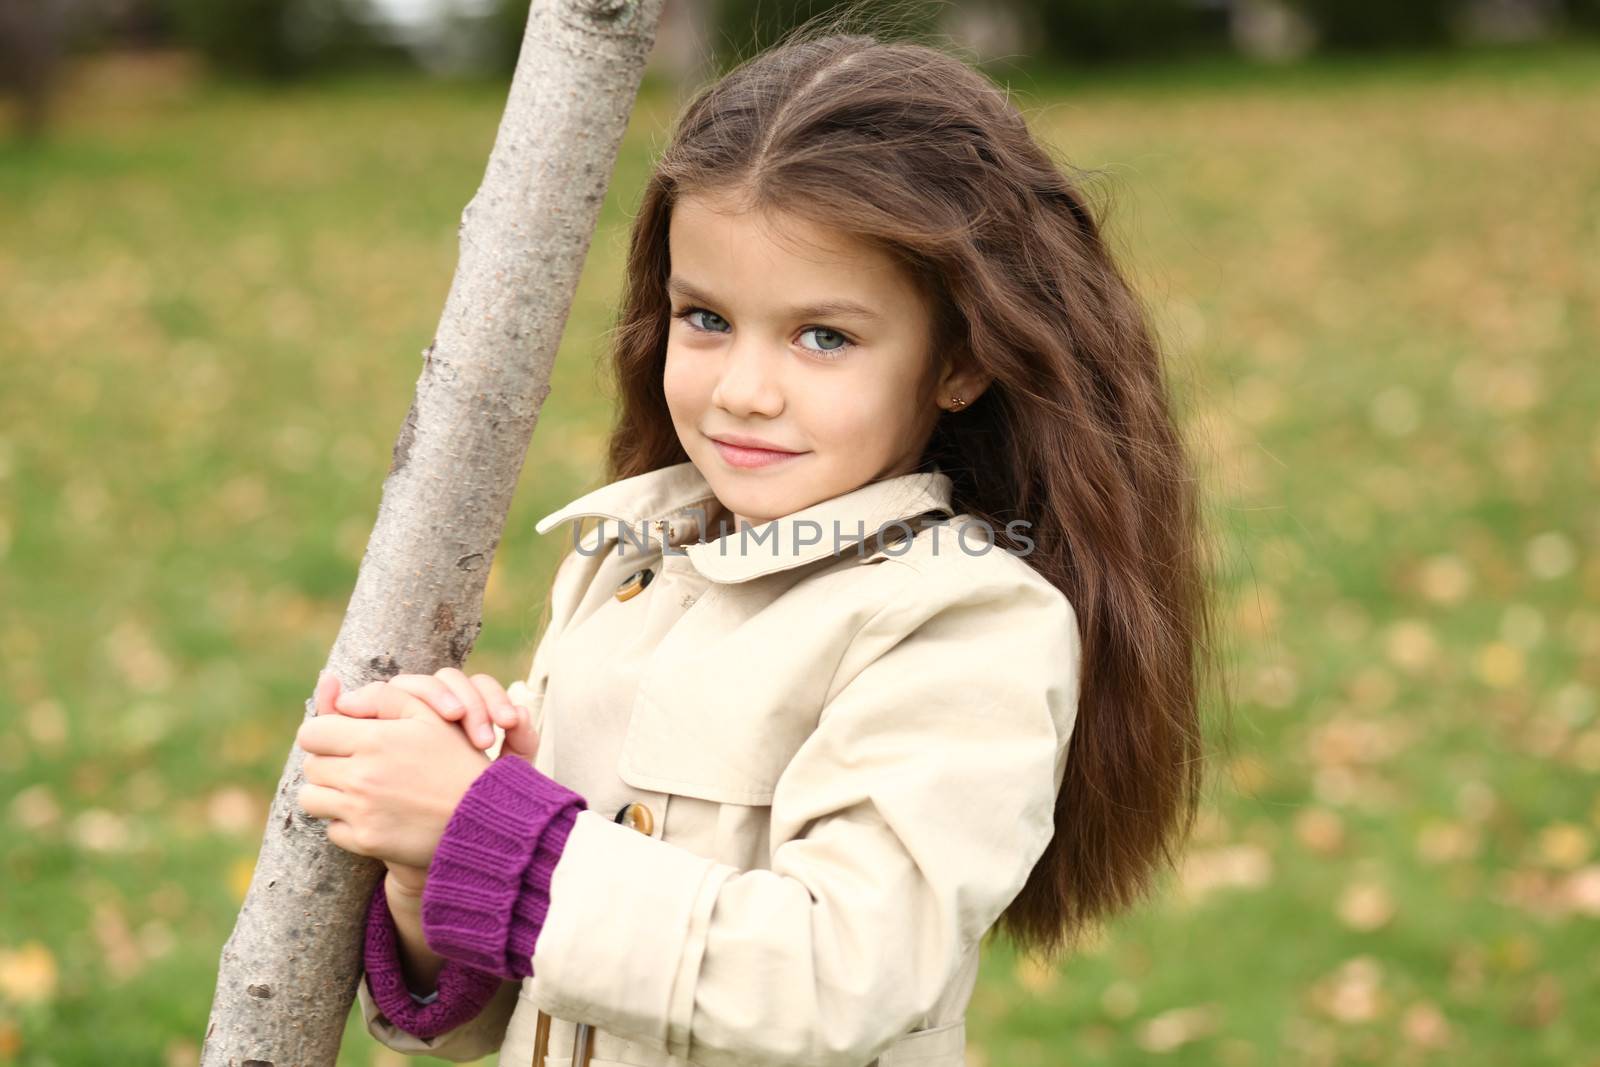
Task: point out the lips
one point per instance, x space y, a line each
751 443
735 452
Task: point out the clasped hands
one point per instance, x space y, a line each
386 764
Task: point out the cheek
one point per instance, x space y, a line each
687 384
866 409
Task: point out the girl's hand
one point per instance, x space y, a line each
408 879
387 785
473 702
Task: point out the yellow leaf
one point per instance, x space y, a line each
1564 844
28 974
1500 664
10 1040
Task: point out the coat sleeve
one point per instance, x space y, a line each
902 827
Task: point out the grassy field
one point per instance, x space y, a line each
1379 289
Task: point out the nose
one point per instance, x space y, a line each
749 383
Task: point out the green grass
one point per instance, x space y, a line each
1377 284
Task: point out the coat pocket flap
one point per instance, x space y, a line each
725 748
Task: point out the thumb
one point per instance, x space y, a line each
521 738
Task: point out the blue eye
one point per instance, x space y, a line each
687 312
827 350
843 342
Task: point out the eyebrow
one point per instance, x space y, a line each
823 310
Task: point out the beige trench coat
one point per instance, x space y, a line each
851 750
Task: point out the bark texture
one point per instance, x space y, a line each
288 972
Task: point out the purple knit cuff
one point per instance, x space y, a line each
463 990
488 886
533 900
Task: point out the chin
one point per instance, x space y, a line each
757 505
755 508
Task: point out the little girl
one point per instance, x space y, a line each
896 510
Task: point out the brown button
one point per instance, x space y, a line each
637 816
634 584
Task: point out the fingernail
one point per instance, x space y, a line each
485 735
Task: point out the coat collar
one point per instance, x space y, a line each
679 497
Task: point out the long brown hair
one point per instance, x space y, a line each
905 145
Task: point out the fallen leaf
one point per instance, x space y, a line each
235 810
1319 830
1173 1029
1120 999
28 974
1353 993
1425 1026
1231 866
1444 579
1366 906
35 808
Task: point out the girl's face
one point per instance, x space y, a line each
799 338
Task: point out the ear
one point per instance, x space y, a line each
960 379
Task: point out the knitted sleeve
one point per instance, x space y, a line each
485 899
488 886
462 991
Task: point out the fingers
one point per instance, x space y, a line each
332 735
453 697
324 770
439 695
478 719
382 700
341 834
501 707
326 693
477 703
522 738
513 718
357 702
322 802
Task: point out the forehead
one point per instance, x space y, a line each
779 258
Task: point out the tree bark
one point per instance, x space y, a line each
288 972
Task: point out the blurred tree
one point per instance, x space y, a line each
510 19
32 41
1584 15
274 39
1357 25
1271 31
740 28
1105 31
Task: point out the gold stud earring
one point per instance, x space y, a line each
957 402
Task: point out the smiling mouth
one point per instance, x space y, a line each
745 457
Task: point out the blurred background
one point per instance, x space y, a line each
1369 233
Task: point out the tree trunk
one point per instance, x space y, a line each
288 972
32 40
